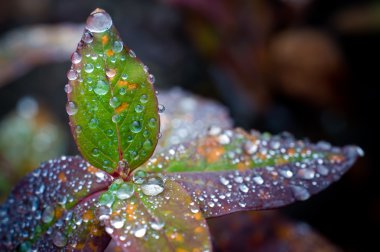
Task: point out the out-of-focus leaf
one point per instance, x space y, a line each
265 231
50 208
28 136
231 170
153 216
25 48
111 101
188 116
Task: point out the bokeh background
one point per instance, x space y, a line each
310 67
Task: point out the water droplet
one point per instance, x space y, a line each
106 199
153 186
71 108
48 214
68 88
124 76
122 91
250 147
243 188
76 58
117 46
117 221
323 170
152 122
87 37
224 181
135 126
286 173
223 139
110 73
95 152
139 108
101 88
103 212
211 204
93 123
139 177
306 173
238 179
40 189
78 129
115 102
147 145
300 193
259 180
139 231
151 78
194 208
242 204
161 108
116 118
98 21
132 54
72 75
109 230
125 191
157 224
89 68
144 98
110 132
59 239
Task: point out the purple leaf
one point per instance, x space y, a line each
231 170
49 208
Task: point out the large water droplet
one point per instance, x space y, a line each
76 58
59 239
101 88
144 98
72 75
139 230
153 186
98 21
89 68
139 108
103 212
125 191
117 46
135 127
117 221
110 73
300 193
106 199
157 224
48 214
71 108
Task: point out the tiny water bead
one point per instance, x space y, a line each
139 230
93 123
59 239
122 91
48 214
76 58
72 75
110 132
139 108
152 122
71 108
99 21
88 68
110 73
68 88
151 78
135 126
161 108
147 145
144 98
101 88
95 152
87 37
117 46
124 76
106 199
132 54
153 186
116 118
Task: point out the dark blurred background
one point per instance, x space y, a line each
303 66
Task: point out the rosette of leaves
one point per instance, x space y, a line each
117 191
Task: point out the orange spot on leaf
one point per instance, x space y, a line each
62 177
105 39
121 108
110 52
91 169
87 216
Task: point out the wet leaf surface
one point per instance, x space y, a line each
47 208
231 170
112 105
142 217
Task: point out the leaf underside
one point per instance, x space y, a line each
231 170
49 208
112 104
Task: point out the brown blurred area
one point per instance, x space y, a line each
309 67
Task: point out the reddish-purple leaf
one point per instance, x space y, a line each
49 208
188 116
231 170
153 216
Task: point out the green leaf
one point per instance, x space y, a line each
153 215
111 100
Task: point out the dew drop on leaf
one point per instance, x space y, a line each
161 108
124 76
144 98
76 58
152 186
71 108
139 177
110 73
135 127
59 239
106 199
98 21
95 152
72 75
132 54
125 191
152 122
68 88
93 123
48 214
139 230
103 212
101 88
117 221
117 46
157 224
139 108
87 37
88 68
